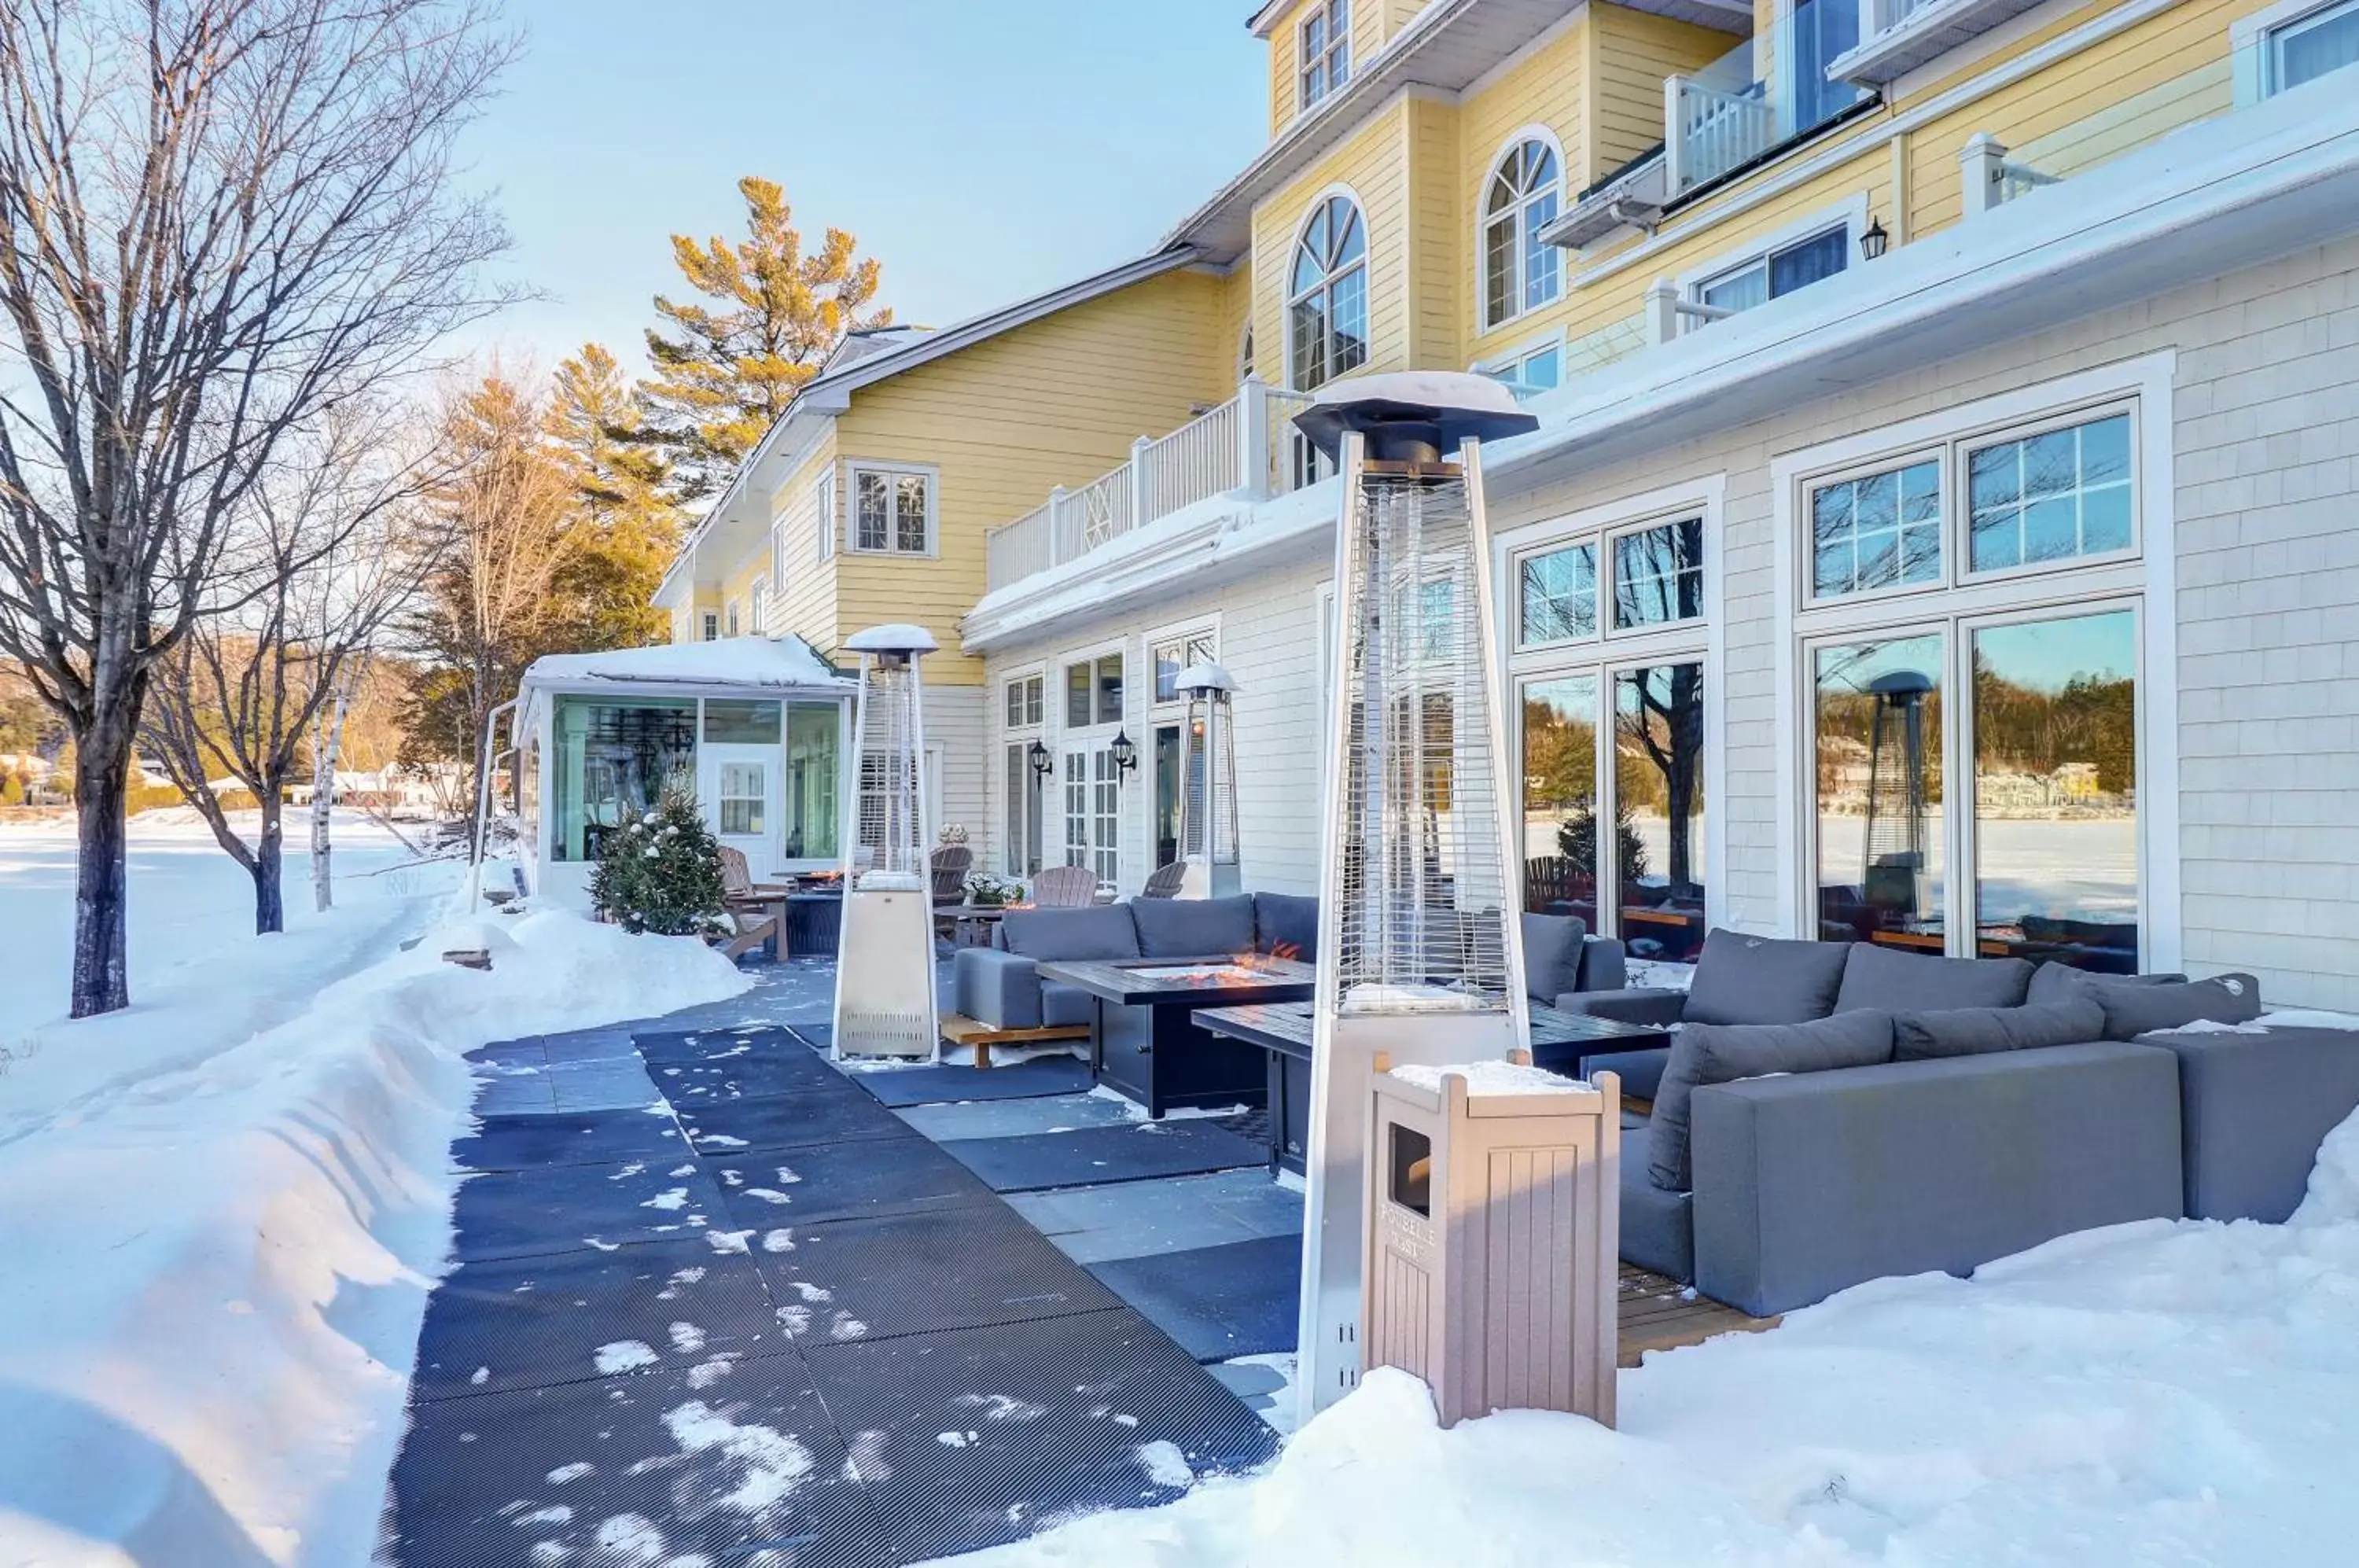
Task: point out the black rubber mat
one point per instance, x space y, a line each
587 1045
861 1180
959 1268
734 1043
818 1037
782 1070
742 1468
528 1051
839 1114
1088 1156
982 1436
571 1137
583 1208
529 1322
1042 1076
1238 1299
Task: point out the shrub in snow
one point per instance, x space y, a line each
662 873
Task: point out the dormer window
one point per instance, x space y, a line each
1326 51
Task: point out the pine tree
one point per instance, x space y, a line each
724 376
661 872
625 528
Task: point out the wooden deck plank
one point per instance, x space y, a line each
1656 1313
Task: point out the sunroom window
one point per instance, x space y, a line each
2050 497
1658 574
1877 530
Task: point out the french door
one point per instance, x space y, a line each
1092 811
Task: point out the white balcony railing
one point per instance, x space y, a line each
1246 447
1712 131
1766 91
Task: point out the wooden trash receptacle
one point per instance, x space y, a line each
1490 1261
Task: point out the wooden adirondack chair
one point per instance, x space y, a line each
753 909
1164 881
1064 887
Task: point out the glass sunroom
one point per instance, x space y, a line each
758 729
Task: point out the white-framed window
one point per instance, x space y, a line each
1777 271
1631 578
711 625
892 509
1167 656
1327 296
1026 701
1094 692
758 608
2281 46
2019 498
1965 756
1556 595
1322 51
823 512
1521 272
1246 353
1658 573
731 614
1529 370
1023 840
744 795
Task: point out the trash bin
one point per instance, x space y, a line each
1491 1264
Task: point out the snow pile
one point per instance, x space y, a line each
218 1255
2165 1392
1488 1078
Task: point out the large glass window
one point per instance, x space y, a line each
2050 497
733 723
1324 62
1658 784
891 511
1882 835
1094 692
1327 296
1777 273
1172 657
613 758
815 767
2055 756
1520 272
1560 797
2311 45
1024 800
1877 530
1026 703
1557 595
1658 574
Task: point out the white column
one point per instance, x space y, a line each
1253 438
1142 488
1981 163
1662 310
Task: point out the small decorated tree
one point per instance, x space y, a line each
661 872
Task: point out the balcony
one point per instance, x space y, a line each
1770 90
1897 36
1246 449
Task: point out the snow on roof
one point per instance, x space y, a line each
766 663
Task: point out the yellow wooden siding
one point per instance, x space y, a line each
1058 401
1634 51
1438 257
807 599
1374 163
1283 81
1236 310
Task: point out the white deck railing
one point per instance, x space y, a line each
1246 447
1712 130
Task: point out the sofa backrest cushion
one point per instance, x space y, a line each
1892 981
1552 945
1289 920
2061 982
1971 1031
1744 979
2133 1011
1194 928
1723 1053
1102 930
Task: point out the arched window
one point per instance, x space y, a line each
1520 272
1327 296
1246 354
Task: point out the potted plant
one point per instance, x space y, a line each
987 891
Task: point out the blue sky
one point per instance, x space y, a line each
982 149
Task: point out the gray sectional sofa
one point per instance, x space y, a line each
999 984
1831 1113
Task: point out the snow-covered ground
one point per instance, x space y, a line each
220 1210
2175 1393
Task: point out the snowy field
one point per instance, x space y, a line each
223 1208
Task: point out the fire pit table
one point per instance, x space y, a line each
1145 1046
1562 1043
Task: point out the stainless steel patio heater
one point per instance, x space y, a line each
1421 953
885 956
1208 784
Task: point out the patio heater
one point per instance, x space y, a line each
1421 951
1208 784
1893 881
885 956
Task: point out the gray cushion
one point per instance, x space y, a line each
2134 1010
2061 982
1194 928
1641 1072
2257 1106
1063 1005
1970 1032
1657 1231
1552 955
1744 979
1888 978
1105 932
1287 919
1723 1053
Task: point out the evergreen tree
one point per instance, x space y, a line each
625 528
661 872
725 373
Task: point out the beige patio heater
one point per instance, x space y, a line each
1208 784
885 956
1420 955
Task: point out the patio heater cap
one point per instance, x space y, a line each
892 645
1206 680
1412 416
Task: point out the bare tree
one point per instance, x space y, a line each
219 220
322 554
